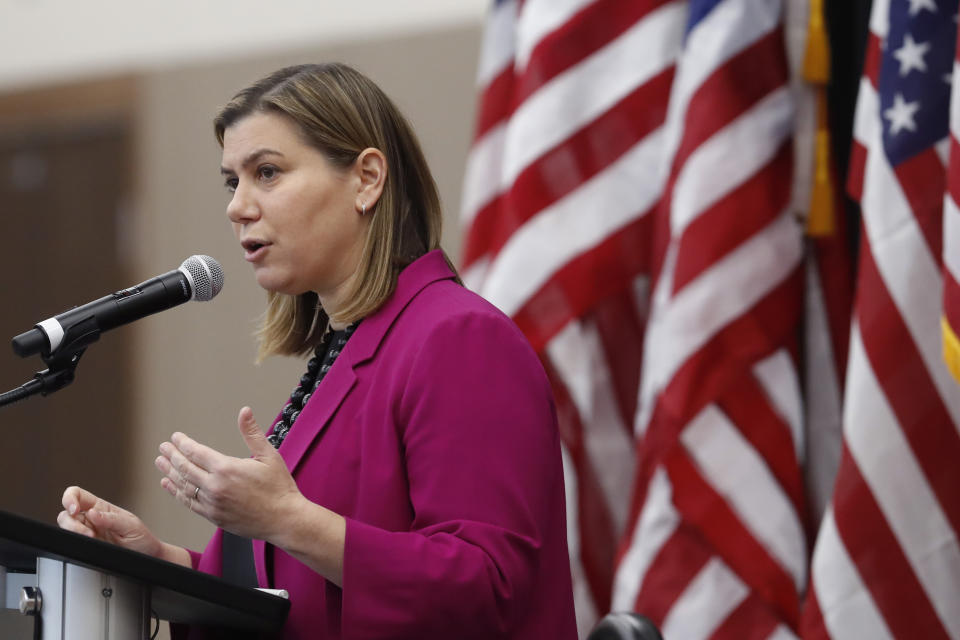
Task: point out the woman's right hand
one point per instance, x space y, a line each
88 515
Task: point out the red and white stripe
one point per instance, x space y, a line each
556 208
887 560
717 544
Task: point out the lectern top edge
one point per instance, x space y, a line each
179 594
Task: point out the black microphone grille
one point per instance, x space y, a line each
205 275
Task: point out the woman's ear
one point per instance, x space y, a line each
371 168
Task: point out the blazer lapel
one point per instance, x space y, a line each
316 415
361 347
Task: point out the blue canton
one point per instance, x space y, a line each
915 76
699 9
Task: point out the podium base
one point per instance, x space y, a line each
82 604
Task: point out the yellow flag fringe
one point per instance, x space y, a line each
821 219
951 348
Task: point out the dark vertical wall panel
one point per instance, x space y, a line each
61 192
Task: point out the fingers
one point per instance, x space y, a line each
190 498
74 524
86 514
118 523
76 500
94 522
179 467
201 455
252 434
113 525
185 463
178 484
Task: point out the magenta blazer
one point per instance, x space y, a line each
435 436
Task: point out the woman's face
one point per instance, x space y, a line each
297 217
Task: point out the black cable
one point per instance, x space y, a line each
23 391
157 630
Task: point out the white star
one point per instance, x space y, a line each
916 6
910 55
901 114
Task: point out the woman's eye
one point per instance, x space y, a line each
268 172
230 184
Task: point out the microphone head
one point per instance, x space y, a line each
205 275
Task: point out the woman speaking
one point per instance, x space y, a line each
411 486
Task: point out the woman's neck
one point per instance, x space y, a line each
334 300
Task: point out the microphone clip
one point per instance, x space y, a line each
60 371
61 363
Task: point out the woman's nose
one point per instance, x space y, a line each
242 206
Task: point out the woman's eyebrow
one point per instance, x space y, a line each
253 157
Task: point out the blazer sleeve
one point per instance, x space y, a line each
482 456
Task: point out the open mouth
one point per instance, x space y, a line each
254 250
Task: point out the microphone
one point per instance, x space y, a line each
198 278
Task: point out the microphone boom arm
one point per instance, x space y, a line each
59 373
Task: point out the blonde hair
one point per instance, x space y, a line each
341 112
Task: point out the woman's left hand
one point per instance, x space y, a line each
247 496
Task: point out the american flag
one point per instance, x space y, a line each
887 561
717 543
558 200
619 144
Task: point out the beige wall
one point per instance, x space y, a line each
63 40
196 362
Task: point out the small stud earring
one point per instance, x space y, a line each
363 209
